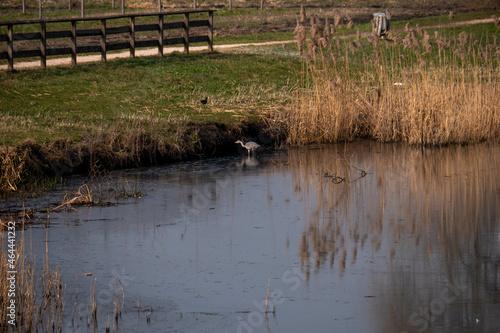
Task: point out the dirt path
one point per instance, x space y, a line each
154 51
459 24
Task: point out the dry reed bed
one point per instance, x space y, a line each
414 87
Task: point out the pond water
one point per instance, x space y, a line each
360 237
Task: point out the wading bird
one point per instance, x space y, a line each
250 146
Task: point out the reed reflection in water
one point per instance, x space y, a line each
431 213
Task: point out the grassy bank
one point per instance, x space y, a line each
149 110
151 93
135 111
421 87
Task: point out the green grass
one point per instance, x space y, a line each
70 102
476 29
443 19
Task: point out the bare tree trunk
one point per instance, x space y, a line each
24 6
159 5
83 9
40 9
123 6
261 4
230 4
194 4
113 4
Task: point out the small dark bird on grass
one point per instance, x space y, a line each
204 100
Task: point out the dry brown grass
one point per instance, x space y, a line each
11 166
416 89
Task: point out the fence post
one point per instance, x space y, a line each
160 35
103 40
261 4
159 5
230 4
73 43
10 46
40 9
186 33
211 31
83 9
132 36
43 45
24 6
195 5
123 7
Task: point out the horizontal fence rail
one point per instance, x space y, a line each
104 45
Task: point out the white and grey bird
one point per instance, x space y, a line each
250 146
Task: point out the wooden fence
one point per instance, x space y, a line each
103 32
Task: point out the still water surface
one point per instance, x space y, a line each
363 237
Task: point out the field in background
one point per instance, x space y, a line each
246 22
148 4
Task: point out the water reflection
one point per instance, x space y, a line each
360 237
431 213
248 162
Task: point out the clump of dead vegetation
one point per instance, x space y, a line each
413 87
83 196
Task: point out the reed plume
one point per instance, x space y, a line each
337 19
496 21
350 22
303 15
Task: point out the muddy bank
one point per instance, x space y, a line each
24 166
